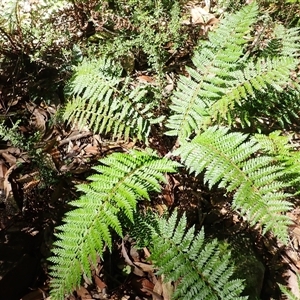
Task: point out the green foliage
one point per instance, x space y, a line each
227 85
228 160
122 180
215 60
200 269
151 25
226 81
107 103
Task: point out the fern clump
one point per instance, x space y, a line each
200 269
122 180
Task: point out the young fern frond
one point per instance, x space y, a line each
200 269
215 60
122 180
105 102
229 161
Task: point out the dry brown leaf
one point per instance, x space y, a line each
3 169
142 286
145 79
10 159
145 267
84 294
92 150
292 283
38 118
157 288
100 284
168 290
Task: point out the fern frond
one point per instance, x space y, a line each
104 101
228 160
215 60
198 266
122 180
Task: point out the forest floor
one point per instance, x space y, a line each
38 178
26 229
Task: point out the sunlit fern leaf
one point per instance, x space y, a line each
214 59
198 267
105 102
230 161
121 180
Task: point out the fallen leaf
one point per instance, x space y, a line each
145 267
168 289
99 283
92 150
10 159
84 294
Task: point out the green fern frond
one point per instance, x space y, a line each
105 102
229 161
122 180
200 269
215 60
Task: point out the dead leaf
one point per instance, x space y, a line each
84 294
100 284
145 79
143 286
168 289
157 289
92 150
10 159
38 118
145 267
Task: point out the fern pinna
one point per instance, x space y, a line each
198 266
123 179
108 103
231 162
